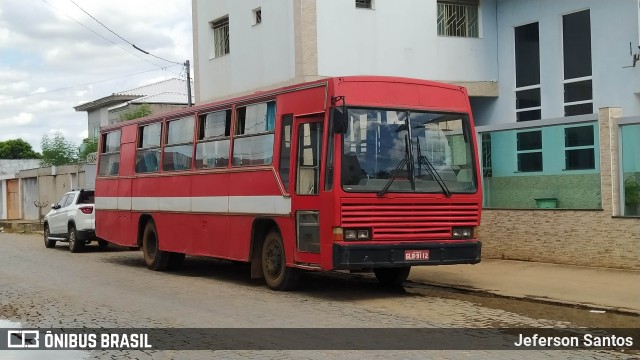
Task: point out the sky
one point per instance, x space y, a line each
49 63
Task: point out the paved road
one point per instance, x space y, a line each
111 288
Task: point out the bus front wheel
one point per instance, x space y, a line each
392 277
154 258
277 274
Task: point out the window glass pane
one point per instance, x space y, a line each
363 4
253 150
578 136
147 161
180 131
580 159
112 142
309 150
221 36
109 164
63 200
70 199
215 124
529 115
578 91
581 109
177 158
150 136
527 50
285 150
257 118
529 162
213 154
528 98
530 140
576 36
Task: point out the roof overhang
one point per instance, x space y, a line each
105 102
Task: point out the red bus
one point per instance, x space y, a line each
347 173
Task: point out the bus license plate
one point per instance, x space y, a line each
413 255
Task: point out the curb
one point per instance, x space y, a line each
530 298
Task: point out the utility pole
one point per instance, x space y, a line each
186 64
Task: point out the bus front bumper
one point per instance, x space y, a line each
353 256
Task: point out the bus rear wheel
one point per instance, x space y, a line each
154 258
277 274
392 277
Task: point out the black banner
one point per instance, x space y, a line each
321 339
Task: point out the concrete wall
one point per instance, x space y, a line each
48 185
400 38
11 166
575 237
613 26
260 55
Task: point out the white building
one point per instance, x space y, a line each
241 46
163 96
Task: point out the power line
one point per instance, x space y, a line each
123 39
95 32
85 84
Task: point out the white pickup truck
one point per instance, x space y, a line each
72 219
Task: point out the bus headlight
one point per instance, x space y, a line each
355 234
462 233
350 234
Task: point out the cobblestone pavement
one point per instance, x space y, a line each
112 288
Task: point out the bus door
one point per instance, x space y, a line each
307 153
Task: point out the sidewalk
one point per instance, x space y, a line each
600 288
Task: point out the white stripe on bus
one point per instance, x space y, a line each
207 204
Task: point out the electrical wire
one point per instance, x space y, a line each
85 84
123 39
102 36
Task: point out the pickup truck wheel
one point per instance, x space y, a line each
154 258
103 243
47 242
75 245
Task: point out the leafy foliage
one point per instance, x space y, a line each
631 192
136 112
88 146
58 151
17 149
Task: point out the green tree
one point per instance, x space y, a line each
58 151
17 149
136 112
88 146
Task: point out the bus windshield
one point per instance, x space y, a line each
407 151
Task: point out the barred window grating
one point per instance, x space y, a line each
458 18
363 4
221 36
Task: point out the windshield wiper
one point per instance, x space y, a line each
403 162
432 170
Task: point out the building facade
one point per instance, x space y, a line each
163 96
554 87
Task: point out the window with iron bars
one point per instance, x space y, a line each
458 18
220 36
364 4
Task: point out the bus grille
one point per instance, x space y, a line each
408 220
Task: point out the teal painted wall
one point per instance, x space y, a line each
504 152
573 189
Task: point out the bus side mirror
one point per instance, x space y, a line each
339 119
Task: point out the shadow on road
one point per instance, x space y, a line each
323 285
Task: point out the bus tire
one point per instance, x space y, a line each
154 258
277 274
103 243
392 277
